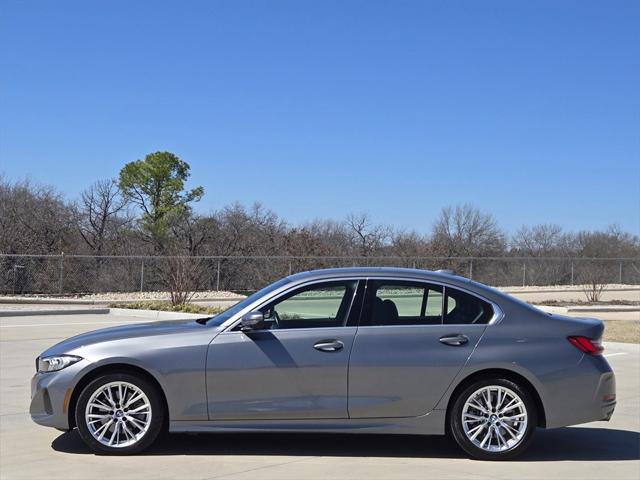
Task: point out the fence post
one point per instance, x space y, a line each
620 273
471 269
289 267
61 274
571 273
524 274
218 277
15 276
142 276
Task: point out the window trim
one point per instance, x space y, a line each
363 281
235 321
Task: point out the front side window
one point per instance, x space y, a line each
315 306
230 312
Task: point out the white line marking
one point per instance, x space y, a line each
72 323
615 354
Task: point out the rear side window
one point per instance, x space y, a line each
403 303
400 302
463 308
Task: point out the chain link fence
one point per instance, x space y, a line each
71 274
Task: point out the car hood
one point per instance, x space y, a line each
147 329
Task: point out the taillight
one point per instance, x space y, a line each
587 345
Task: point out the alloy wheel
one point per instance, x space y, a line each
494 418
118 414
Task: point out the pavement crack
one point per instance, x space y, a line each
228 475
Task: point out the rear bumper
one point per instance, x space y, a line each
588 395
607 411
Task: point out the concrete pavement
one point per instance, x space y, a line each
592 451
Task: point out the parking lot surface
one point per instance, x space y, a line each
591 451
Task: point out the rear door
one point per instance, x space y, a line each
413 339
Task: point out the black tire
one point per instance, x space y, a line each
456 429
158 414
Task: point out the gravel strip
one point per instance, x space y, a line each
128 296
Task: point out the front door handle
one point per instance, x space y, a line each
454 340
329 345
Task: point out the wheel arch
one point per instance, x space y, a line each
499 373
108 369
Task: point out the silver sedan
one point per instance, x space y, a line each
362 350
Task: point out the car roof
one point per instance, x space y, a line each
387 272
372 272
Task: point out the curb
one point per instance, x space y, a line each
512 291
59 311
587 309
121 312
613 308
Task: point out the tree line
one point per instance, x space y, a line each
147 210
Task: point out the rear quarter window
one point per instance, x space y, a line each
462 308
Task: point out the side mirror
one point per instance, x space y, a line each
250 320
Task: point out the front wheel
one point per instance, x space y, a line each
119 414
493 419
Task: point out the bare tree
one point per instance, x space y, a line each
183 277
253 231
101 206
191 234
538 240
410 244
366 236
34 219
466 231
319 238
593 281
613 242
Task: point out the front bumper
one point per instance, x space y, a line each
51 395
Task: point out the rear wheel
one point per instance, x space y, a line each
493 419
119 413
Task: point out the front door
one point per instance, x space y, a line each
294 365
413 339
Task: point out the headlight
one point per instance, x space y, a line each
53 364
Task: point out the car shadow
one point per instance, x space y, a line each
576 443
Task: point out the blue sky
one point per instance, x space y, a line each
529 110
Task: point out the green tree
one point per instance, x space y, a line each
156 185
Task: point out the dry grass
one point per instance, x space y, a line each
168 307
627 331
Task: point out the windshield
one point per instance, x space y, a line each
227 314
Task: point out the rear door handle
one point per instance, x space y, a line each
329 345
454 340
